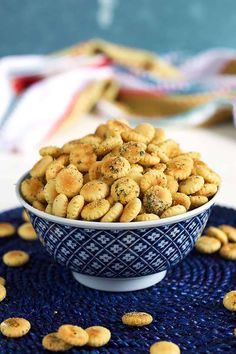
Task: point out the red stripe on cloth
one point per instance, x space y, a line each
70 107
20 84
63 117
104 62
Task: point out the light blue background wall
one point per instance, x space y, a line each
41 26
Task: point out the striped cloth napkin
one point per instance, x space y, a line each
45 97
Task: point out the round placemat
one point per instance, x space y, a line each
186 306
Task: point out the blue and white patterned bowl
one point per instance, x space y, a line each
118 256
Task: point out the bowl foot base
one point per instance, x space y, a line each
119 284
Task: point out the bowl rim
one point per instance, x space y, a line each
97 225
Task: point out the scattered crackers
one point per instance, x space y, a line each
27 232
208 245
3 292
54 343
221 238
6 229
15 258
230 231
2 281
229 301
15 327
229 251
25 216
69 336
98 336
164 347
137 319
73 335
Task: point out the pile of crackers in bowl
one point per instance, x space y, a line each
119 174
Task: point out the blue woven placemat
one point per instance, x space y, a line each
186 305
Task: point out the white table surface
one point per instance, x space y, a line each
217 145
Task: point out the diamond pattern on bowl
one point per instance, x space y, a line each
120 253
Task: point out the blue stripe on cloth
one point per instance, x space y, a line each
175 86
